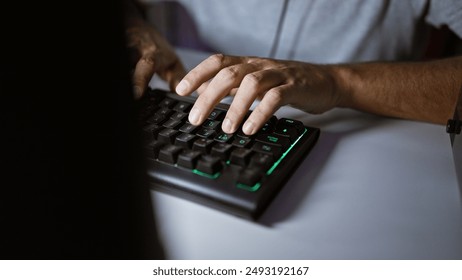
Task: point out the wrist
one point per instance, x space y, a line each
344 77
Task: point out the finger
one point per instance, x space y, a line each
233 92
144 70
269 104
174 75
205 71
227 79
252 86
203 87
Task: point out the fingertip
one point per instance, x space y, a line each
249 127
227 126
194 116
183 87
137 92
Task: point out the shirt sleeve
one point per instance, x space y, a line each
446 12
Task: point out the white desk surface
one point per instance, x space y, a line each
371 188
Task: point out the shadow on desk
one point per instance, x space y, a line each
334 128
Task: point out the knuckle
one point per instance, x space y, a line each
147 60
229 73
217 59
252 80
274 96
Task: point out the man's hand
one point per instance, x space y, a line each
152 55
275 82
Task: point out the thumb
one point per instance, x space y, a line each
144 70
174 75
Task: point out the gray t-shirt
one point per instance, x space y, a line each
319 31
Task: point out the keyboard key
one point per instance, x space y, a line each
167 103
274 139
182 107
275 151
240 156
171 123
179 116
262 161
290 129
185 140
250 176
157 119
241 133
165 112
150 132
169 153
209 164
242 141
188 128
206 133
147 112
290 133
167 135
203 145
221 150
211 124
223 137
188 158
268 127
284 122
154 148
217 114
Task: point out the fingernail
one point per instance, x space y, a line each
182 87
194 116
248 127
227 125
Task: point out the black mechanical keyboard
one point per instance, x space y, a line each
234 173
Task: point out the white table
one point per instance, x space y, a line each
372 188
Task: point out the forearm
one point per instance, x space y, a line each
425 91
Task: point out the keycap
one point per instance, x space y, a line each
188 158
273 150
274 140
209 164
167 135
240 156
150 132
169 153
182 107
206 132
216 114
203 145
171 123
154 148
223 137
157 119
268 127
242 141
289 128
188 128
211 124
185 140
221 150
250 176
179 116
261 160
167 103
